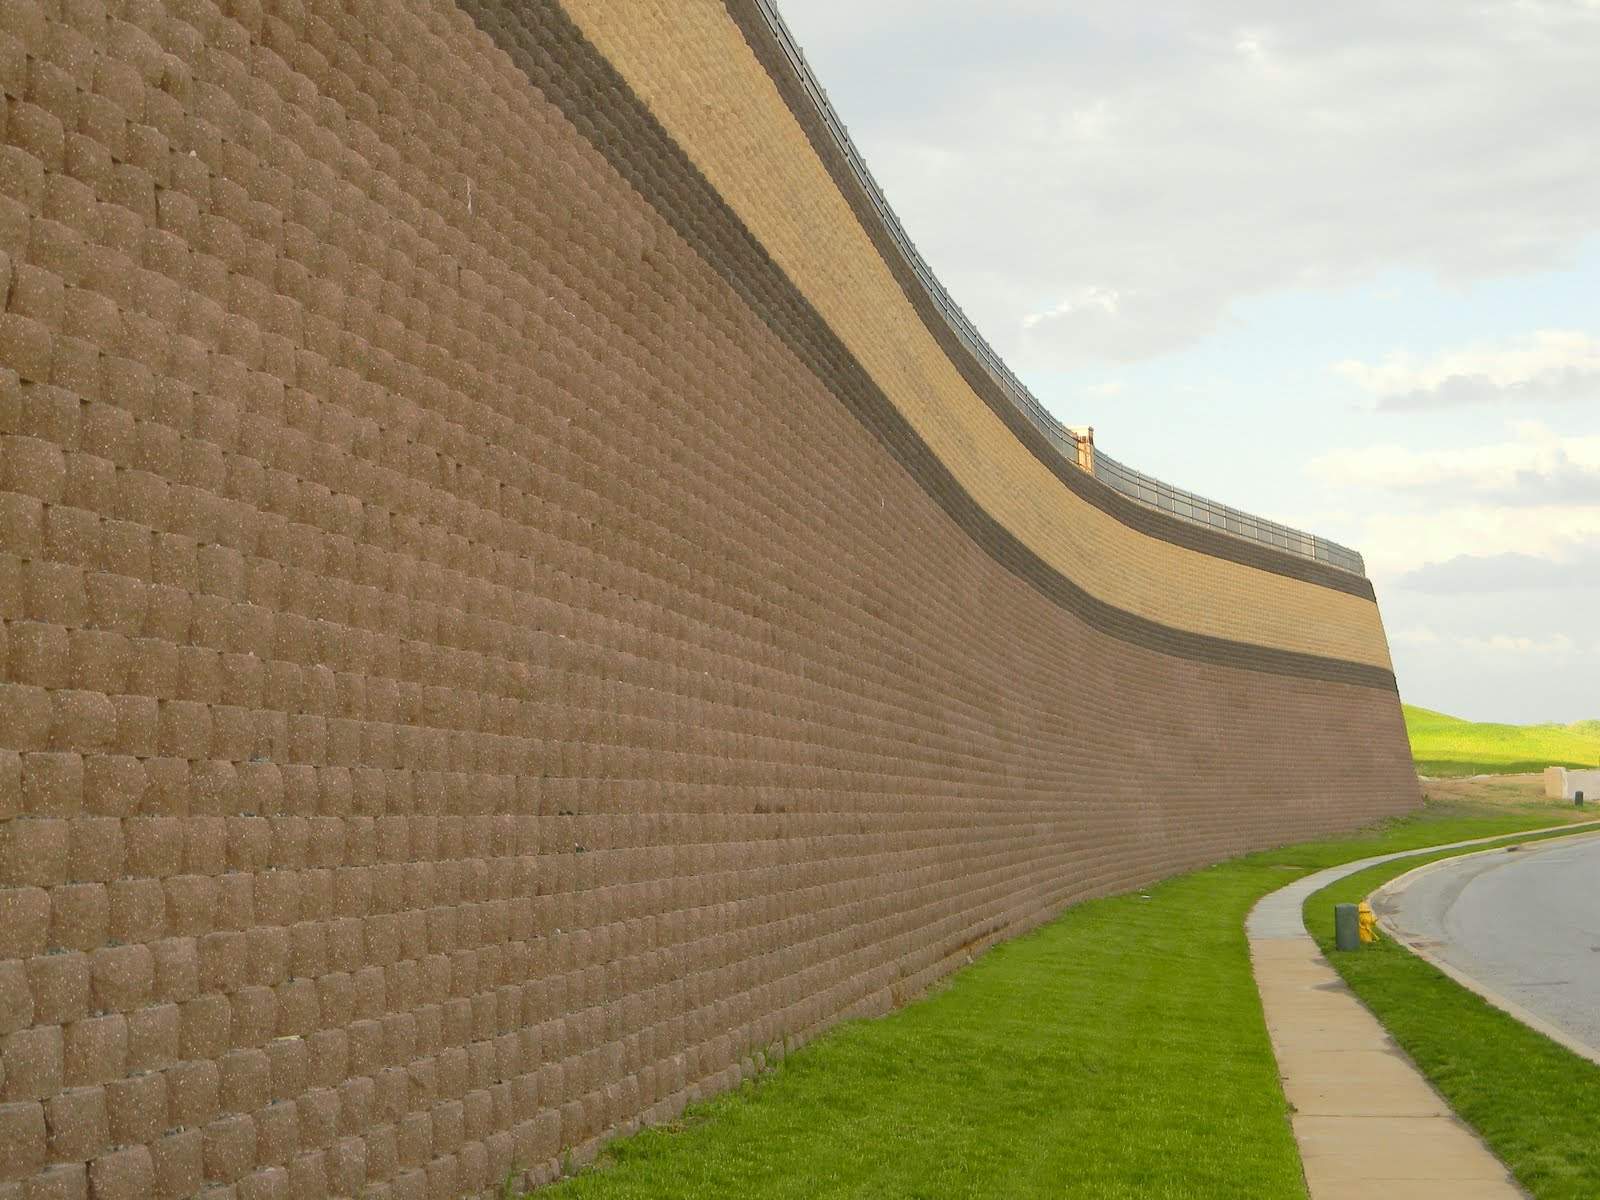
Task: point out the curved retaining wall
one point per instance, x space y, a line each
513 606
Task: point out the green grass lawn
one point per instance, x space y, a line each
1118 1051
1532 1101
1444 745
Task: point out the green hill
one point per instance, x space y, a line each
1446 745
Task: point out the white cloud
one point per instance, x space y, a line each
1558 645
1550 365
1553 645
1396 544
1249 44
1178 158
1107 324
1089 299
1532 493
1115 387
1575 568
1531 465
1416 635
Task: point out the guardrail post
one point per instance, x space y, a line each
1084 436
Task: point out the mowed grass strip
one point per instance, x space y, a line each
1118 1051
1532 1101
1443 745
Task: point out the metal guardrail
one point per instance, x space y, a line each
1129 482
1156 494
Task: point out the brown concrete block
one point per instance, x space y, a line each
153 1037
383 1153
113 784
309 1177
229 1148
169 787
22 1139
123 976
183 729
177 969
178 1164
33 852
60 987
125 1174
204 843
55 597
10 783
277 1135
267 952
33 1062
348 1165
71 537
136 1108
205 1025
79 915
318 1113
116 602
21 524
24 921
38 653
52 783
153 848
77 1122
246 1080
16 997
82 720
254 1015
191 899
63 1181
136 715
32 466
96 1050
269 1183
193 1091
137 910
94 850
290 1060
98 663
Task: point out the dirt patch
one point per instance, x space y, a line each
1510 791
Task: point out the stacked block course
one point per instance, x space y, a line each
514 606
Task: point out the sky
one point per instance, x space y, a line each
1338 265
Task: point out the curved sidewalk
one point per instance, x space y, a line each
1367 1123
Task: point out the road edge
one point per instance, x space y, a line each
1505 1004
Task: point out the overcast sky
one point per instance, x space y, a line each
1335 264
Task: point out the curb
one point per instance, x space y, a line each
1505 1004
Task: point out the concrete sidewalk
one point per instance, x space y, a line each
1368 1125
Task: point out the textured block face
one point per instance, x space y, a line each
508 605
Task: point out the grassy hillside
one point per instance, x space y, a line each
1445 745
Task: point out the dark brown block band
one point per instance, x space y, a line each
601 105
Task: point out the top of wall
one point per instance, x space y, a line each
1118 478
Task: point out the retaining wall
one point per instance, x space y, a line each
512 605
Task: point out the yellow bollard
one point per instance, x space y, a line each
1369 922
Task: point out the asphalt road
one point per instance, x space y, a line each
1524 923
